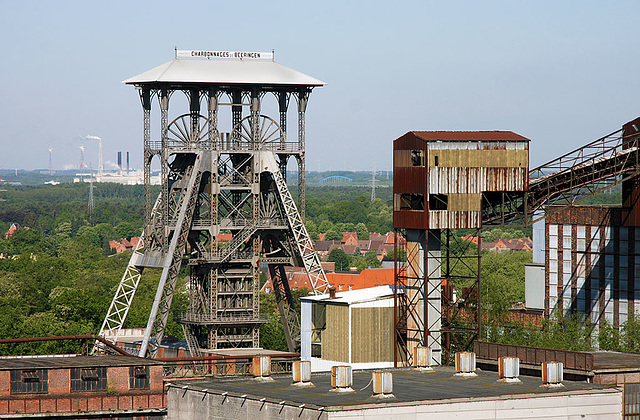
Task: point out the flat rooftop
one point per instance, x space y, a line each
71 361
408 386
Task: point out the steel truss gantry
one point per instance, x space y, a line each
214 183
427 312
566 180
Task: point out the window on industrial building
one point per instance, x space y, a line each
631 401
438 202
408 201
139 377
417 158
88 379
30 381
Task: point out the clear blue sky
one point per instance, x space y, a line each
560 73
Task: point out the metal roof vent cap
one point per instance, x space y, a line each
382 384
262 368
509 370
552 375
422 359
466 364
301 370
341 379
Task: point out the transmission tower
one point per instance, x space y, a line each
215 182
91 205
373 184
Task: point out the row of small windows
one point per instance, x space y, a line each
36 381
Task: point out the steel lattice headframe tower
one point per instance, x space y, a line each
216 182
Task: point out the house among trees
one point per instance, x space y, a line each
12 230
503 245
123 244
351 245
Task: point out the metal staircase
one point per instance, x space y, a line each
309 258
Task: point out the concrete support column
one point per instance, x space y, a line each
424 291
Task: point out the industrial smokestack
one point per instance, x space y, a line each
127 163
119 163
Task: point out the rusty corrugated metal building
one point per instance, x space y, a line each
439 176
439 179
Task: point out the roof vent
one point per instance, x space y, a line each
262 368
341 379
466 364
552 375
382 384
301 370
509 370
332 292
422 359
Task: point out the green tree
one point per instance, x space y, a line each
341 259
332 235
371 257
362 231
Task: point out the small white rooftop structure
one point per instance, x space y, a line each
356 296
353 328
224 72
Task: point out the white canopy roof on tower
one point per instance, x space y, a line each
225 72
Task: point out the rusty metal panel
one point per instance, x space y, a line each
465 202
476 180
453 158
410 180
443 219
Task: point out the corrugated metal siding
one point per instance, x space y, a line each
335 337
477 145
465 167
465 202
443 219
452 158
410 180
371 335
476 180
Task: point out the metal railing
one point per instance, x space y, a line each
221 367
534 355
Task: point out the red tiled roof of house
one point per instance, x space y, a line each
224 237
370 277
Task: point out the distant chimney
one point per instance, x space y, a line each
127 163
119 163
